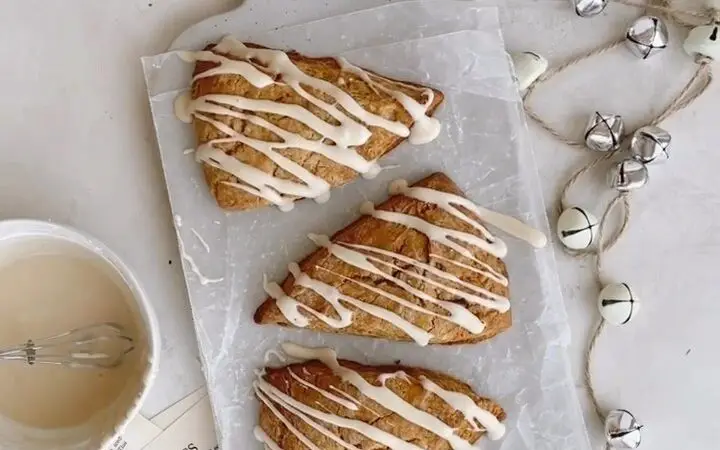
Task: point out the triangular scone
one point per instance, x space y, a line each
273 127
338 405
410 269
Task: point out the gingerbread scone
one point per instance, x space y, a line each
273 127
421 266
330 404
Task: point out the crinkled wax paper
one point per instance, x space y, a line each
456 46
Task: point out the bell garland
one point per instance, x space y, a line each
577 228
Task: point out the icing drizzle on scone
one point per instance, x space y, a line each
318 419
264 67
406 272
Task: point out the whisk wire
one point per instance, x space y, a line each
103 345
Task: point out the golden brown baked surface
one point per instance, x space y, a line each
373 100
408 388
370 231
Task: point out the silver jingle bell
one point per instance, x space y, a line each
650 144
576 228
622 430
646 36
529 66
618 304
628 175
704 41
588 8
603 132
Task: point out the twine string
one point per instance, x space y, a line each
684 18
601 413
621 199
550 73
607 237
695 87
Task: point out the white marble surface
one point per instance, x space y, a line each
77 146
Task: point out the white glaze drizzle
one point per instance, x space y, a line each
204 281
482 296
354 400
368 263
228 66
279 63
290 307
347 157
486 271
385 377
261 436
472 412
305 413
457 313
425 128
261 68
381 395
272 353
323 407
444 236
263 398
328 395
368 259
267 185
201 240
449 203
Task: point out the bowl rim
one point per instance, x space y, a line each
29 228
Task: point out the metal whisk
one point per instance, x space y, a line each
101 346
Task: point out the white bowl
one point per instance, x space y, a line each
17 238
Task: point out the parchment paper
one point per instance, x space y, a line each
483 148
